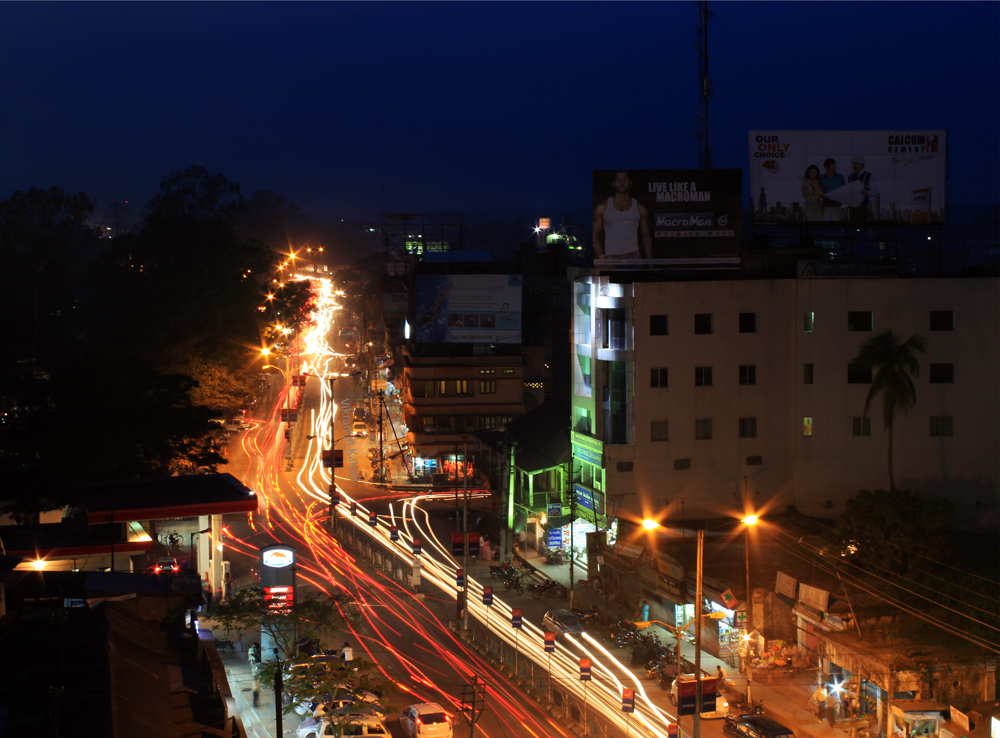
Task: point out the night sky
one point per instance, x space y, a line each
453 107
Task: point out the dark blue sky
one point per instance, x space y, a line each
470 107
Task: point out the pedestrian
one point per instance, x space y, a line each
348 653
720 675
227 588
820 697
208 594
218 594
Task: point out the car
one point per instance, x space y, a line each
359 413
426 720
721 706
360 429
745 726
357 725
562 622
348 705
166 565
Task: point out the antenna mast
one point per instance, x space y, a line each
705 90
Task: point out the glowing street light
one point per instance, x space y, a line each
650 524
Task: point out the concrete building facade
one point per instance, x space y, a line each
699 389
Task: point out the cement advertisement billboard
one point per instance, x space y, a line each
468 308
671 218
849 177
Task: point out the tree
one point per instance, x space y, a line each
892 530
314 618
44 237
194 195
895 363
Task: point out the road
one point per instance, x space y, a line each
406 635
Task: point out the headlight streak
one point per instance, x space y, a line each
379 597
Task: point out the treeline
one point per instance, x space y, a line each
119 350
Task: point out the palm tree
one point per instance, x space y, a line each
895 365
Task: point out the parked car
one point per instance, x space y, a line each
755 726
358 725
721 706
562 622
166 565
359 413
426 720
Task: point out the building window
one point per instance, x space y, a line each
858 374
942 320
703 376
682 464
487 386
508 371
624 466
453 387
487 371
659 325
659 430
748 427
807 374
703 430
658 377
861 426
422 388
942 373
748 374
859 320
942 425
755 460
748 322
807 323
807 426
703 323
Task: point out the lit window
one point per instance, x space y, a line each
807 323
807 426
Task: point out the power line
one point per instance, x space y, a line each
826 567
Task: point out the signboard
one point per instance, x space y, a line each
584 497
729 599
416 546
457 544
473 544
686 695
372 519
550 642
785 585
277 577
488 596
672 730
395 303
588 449
628 700
741 618
554 538
515 617
584 670
468 308
459 578
672 218
814 597
394 533
873 177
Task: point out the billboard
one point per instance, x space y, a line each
849 177
468 308
672 218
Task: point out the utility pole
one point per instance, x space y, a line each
381 445
705 90
278 686
572 517
465 528
473 702
696 729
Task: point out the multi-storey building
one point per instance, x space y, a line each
692 391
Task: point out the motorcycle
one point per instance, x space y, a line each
513 581
667 677
504 570
549 585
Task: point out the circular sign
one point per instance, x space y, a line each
278 558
